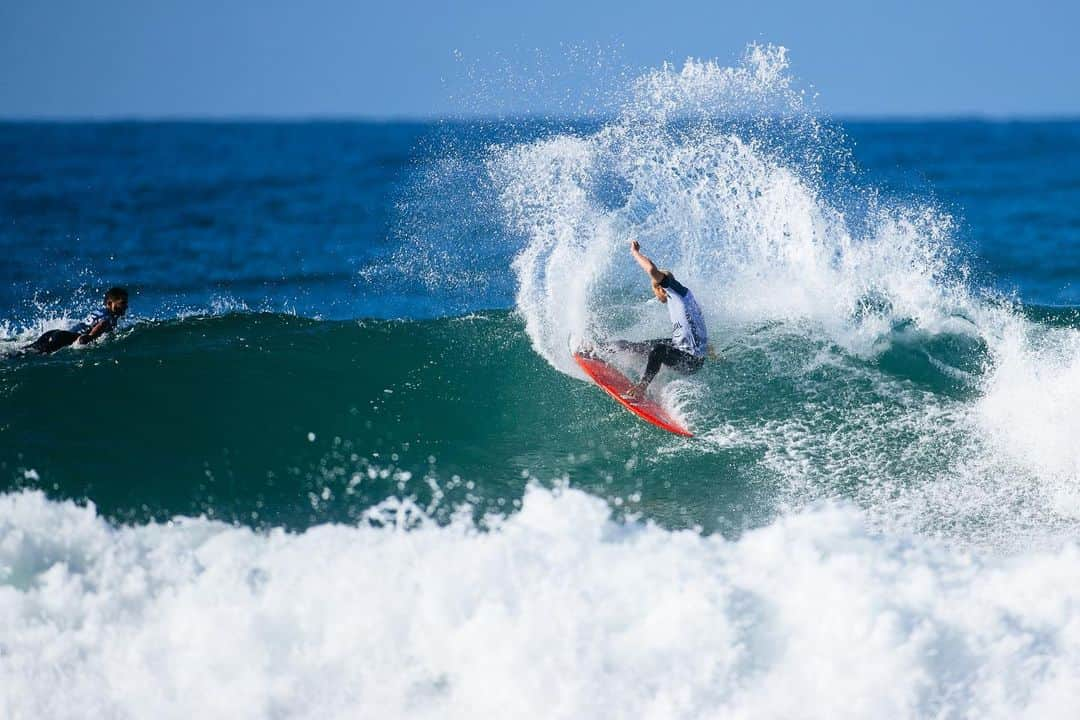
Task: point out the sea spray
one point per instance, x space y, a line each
722 170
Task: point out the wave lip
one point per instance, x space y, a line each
556 611
729 178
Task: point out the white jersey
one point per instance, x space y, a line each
688 325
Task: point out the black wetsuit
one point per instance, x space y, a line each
52 341
662 352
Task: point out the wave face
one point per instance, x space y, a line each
276 420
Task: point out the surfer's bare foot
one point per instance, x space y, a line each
585 348
635 392
596 349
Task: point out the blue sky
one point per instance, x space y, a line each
164 58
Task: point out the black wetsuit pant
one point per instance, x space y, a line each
662 352
52 341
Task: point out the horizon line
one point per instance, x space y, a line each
374 119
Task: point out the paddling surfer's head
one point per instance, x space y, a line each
116 300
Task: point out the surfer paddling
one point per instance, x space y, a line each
102 321
685 350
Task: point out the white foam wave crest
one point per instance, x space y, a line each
558 611
739 219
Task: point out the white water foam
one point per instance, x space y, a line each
556 612
1029 408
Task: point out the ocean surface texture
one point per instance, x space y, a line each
338 462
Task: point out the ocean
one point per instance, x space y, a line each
337 462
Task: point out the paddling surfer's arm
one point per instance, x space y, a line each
646 264
94 332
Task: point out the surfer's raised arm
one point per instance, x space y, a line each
646 264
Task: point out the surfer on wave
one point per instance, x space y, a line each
685 350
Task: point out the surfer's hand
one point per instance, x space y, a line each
634 247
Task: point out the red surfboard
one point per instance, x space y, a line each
616 384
